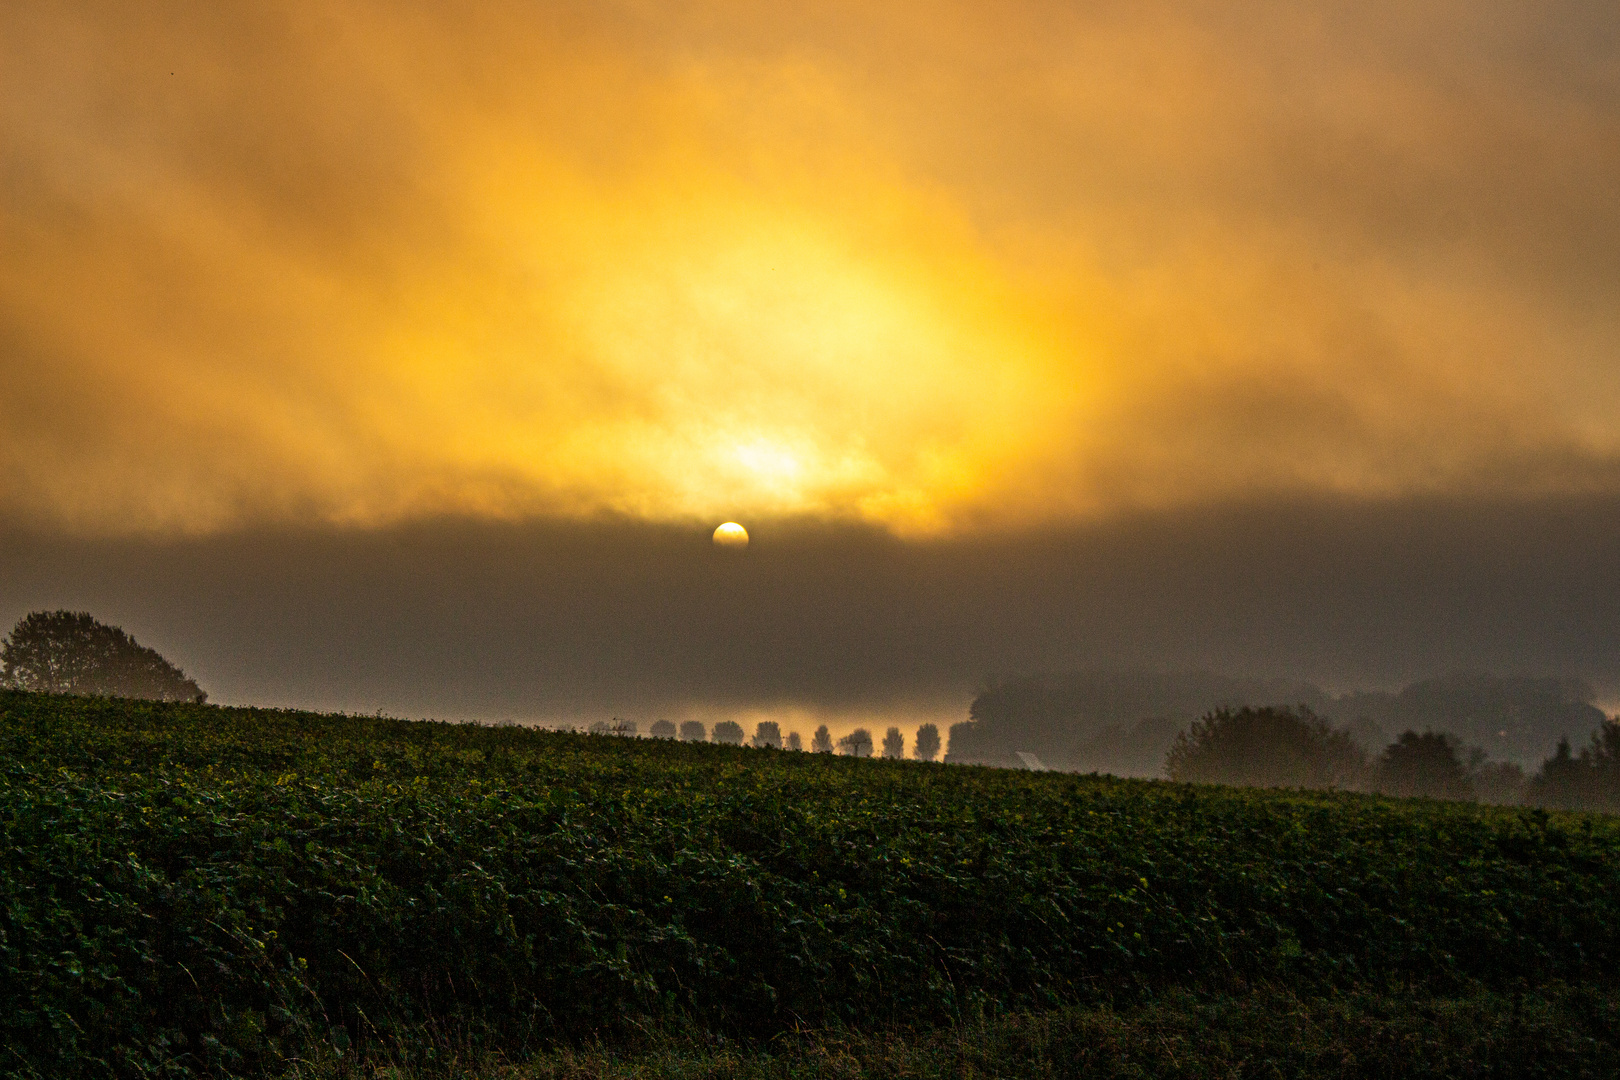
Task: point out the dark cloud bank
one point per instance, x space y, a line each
574 622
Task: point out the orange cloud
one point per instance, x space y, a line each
935 267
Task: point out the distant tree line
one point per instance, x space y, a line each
1277 746
1125 721
1293 747
768 735
1587 781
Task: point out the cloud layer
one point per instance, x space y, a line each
579 621
933 268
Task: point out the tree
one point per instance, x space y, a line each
728 732
894 744
1500 782
1425 765
768 735
926 745
821 741
68 652
1267 747
694 731
1588 782
794 742
662 729
857 743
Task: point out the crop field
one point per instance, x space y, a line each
189 889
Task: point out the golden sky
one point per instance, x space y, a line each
938 267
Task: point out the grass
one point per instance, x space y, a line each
192 890
1559 1031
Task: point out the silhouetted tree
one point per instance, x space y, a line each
599 727
894 744
857 743
794 742
1499 782
1588 782
728 732
926 746
1268 747
68 652
694 731
663 729
1423 765
1098 719
768 735
821 741
1053 715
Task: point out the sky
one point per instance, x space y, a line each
404 355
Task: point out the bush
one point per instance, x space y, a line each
1268 747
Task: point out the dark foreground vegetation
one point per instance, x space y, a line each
193 889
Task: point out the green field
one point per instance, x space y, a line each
230 891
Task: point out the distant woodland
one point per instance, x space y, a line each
1498 739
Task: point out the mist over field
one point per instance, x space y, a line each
578 623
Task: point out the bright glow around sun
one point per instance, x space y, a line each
731 535
936 267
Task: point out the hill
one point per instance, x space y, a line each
186 887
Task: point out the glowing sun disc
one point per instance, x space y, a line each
731 535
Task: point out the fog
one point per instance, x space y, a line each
578 622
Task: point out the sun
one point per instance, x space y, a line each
731 535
